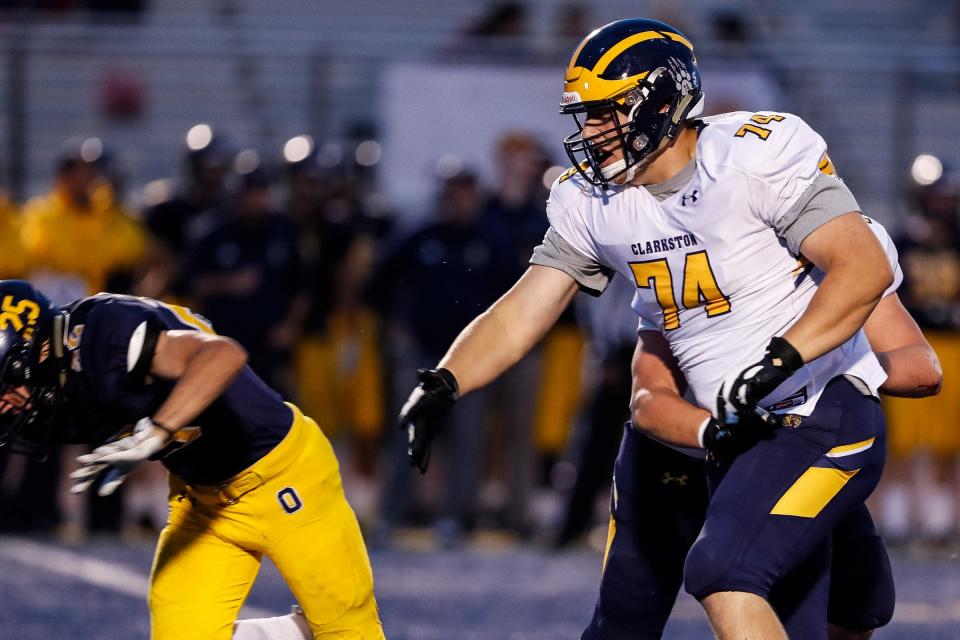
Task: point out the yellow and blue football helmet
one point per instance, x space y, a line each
31 357
645 70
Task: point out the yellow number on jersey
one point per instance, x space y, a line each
659 272
700 288
761 132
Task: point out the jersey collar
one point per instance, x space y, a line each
663 190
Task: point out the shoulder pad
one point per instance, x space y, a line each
778 149
763 144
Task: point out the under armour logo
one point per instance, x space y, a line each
668 478
693 196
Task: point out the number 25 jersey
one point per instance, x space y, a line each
717 264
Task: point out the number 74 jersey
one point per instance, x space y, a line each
717 264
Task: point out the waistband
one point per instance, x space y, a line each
860 386
269 466
793 420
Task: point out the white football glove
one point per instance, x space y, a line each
119 457
113 477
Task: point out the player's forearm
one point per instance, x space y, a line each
206 376
843 302
495 341
508 330
664 415
912 371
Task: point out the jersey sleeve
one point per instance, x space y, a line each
566 245
789 189
892 255
556 252
117 346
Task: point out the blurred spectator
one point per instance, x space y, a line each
676 13
515 212
13 256
515 216
431 285
175 219
928 243
79 236
502 19
79 240
246 275
613 338
338 363
920 496
571 21
499 34
732 32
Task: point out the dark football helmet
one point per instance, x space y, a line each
32 366
646 71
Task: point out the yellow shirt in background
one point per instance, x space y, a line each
73 250
13 256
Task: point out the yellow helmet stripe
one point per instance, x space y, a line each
592 88
679 38
622 46
576 54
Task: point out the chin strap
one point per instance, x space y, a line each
58 345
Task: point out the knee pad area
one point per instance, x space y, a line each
714 562
862 592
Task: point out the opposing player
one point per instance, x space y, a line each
250 475
724 270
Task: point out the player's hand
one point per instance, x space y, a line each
118 458
85 476
726 441
741 392
112 477
425 412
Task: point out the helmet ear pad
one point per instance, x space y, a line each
656 115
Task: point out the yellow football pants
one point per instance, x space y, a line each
288 506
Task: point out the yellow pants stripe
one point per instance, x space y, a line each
611 531
811 492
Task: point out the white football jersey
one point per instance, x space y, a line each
712 263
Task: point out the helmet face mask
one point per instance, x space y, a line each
594 150
25 423
641 76
31 368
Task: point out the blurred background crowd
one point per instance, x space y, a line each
341 189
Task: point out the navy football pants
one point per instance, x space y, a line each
660 499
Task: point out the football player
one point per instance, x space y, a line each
250 475
781 383
659 501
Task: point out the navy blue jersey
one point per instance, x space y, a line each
110 339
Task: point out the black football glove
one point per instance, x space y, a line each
726 441
717 438
739 396
425 412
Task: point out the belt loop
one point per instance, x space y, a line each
224 496
229 493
